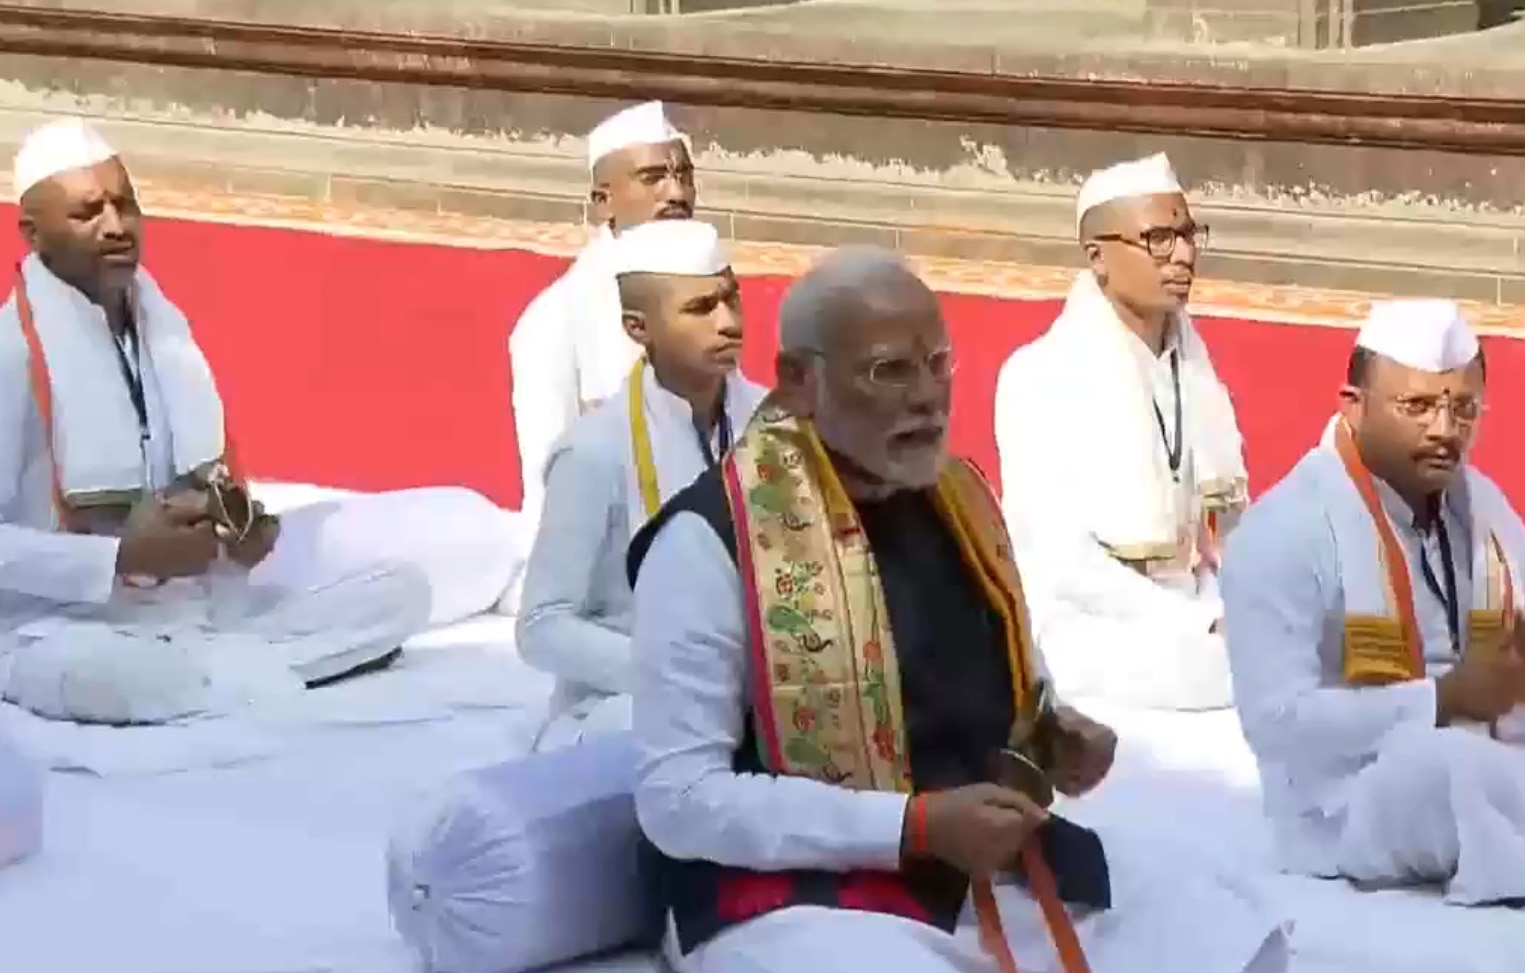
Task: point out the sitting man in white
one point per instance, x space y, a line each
568 351
1372 601
682 403
119 551
1121 462
848 745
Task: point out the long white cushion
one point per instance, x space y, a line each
523 864
21 786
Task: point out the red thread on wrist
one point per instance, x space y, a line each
919 825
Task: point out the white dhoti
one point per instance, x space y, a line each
1437 804
591 718
466 548
1168 914
1154 666
348 582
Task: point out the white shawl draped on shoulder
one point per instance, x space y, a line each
568 352
95 435
1122 475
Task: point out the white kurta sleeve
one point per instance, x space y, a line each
39 563
1050 532
691 669
545 387
1280 582
557 630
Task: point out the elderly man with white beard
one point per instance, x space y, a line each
848 744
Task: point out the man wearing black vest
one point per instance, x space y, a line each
848 745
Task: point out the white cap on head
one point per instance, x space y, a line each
676 248
1152 176
644 124
58 146
1430 335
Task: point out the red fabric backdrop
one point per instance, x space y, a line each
375 365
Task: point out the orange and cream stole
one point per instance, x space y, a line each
70 516
1384 649
826 689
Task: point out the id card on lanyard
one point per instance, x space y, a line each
130 360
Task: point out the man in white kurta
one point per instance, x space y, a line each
568 351
1121 462
112 572
832 670
677 414
1371 615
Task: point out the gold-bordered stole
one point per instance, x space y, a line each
1380 650
826 695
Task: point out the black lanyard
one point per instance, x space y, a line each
133 376
723 421
1448 595
1172 446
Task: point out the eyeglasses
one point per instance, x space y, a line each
1425 409
1160 241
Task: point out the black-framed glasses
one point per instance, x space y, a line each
1160 241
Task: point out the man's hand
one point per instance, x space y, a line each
1482 687
979 829
258 543
1083 752
170 537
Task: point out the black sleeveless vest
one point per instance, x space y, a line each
956 686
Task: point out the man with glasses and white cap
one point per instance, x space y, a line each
1372 615
129 544
683 403
1121 462
568 351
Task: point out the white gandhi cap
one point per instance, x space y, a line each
644 124
675 248
1152 176
58 146
1429 335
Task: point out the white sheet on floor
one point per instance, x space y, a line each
1192 775
189 872
21 806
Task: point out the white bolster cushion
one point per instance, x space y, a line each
523 864
21 785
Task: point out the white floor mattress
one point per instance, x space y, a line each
1192 775
264 852
275 866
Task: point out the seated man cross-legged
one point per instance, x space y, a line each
130 550
1121 460
847 744
681 407
1372 614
